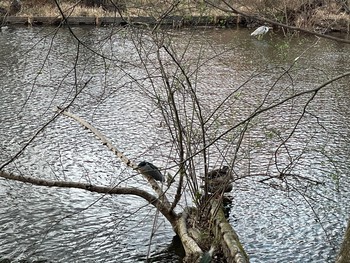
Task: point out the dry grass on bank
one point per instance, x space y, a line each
153 8
328 14
49 9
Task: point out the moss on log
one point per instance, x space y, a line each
223 231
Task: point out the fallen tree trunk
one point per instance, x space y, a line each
344 252
223 231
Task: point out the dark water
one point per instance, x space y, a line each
297 222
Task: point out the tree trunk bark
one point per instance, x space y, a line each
223 231
344 252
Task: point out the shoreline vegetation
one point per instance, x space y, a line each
316 15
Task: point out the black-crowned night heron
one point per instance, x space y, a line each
260 31
221 172
220 184
219 180
149 169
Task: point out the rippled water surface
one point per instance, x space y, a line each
283 221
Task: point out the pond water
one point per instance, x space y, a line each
290 220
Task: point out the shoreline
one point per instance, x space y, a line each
174 21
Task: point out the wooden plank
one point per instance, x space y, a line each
81 20
16 20
44 20
109 21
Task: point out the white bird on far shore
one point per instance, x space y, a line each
260 31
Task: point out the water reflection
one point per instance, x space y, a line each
65 225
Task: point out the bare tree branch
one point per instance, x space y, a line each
118 153
170 215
